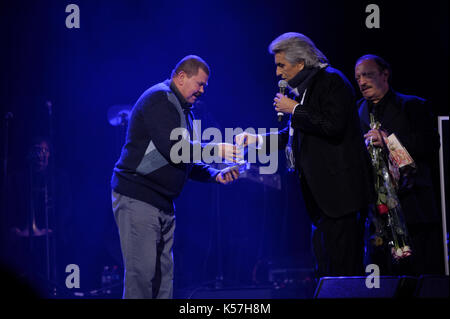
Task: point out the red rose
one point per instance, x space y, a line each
382 209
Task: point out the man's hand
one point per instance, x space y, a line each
284 104
245 139
230 152
228 177
36 232
376 137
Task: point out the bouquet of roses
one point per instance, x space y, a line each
387 215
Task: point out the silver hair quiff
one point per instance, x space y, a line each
298 47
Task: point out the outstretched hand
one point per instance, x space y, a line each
230 152
245 139
227 176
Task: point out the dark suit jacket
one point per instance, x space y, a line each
328 145
410 118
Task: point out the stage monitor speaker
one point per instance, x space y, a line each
429 286
238 293
355 287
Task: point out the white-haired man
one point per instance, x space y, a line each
324 145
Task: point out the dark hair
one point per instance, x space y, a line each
190 65
380 62
38 140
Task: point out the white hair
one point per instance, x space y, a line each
297 48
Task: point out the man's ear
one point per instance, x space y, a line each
181 76
300 65
386 74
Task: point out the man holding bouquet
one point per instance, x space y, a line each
410 119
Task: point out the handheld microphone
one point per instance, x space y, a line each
282 84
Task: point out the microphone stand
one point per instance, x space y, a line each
30 224
47 239
32 275
7 118
51 271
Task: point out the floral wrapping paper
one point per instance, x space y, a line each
387 215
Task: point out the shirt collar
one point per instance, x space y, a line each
383 100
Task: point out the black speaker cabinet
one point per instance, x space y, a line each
355 287
298 291
432 287
237 293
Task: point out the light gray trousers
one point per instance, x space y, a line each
146 239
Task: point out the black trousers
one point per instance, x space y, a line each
337 243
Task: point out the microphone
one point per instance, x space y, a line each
282 84
49 107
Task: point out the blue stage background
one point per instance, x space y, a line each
241 231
